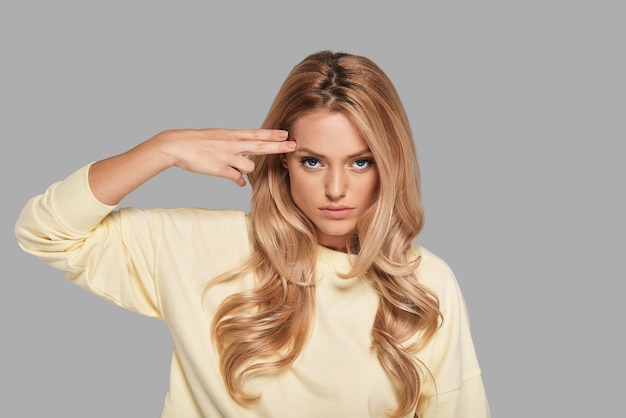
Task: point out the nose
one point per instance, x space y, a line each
336 184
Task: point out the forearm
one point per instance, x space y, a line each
214 152
115 177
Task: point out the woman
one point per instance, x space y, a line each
315 304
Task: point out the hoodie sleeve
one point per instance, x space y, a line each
105 251
454 388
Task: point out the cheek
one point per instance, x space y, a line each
370 186
302 188
297 181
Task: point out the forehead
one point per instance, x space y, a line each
327 132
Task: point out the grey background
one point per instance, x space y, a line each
518 111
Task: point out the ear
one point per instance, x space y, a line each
283 160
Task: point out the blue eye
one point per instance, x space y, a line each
362 163
310 162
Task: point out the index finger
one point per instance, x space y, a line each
267 147
264 141
273 135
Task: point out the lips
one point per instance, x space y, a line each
336 212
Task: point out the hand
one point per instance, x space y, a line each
222 152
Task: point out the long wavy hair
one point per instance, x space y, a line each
264 329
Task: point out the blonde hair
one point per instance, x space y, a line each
251 327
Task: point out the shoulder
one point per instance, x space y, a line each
188 217
185 226
435 273
431 266
225 219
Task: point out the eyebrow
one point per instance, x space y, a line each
318 155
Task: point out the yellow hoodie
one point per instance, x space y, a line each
158 262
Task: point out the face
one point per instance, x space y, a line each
332 173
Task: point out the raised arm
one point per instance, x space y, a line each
73 225
215 152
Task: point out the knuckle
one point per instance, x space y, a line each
261 147
256 134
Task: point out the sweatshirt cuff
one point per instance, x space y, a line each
75 205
